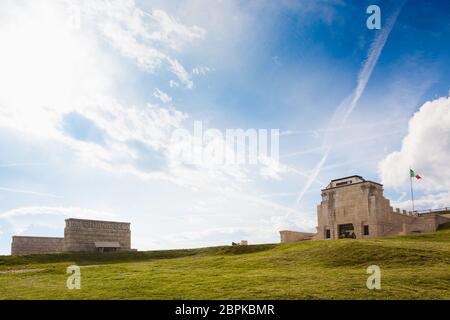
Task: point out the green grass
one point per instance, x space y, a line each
412 267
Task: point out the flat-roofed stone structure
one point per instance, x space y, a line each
80 235
94 235
353 207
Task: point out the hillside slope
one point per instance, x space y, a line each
412 267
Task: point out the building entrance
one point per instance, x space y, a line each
346 231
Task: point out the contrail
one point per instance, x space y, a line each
342 144
24 164
356 126
347 106
40 194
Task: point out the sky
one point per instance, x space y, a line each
91 94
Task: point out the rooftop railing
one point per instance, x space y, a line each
428 211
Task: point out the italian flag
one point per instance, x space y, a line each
412 174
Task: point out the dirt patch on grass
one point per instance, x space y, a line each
22 270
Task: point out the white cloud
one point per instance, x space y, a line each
172 32
271 168
428 201
147 38
173 84
50 70
178 70
297 221
30 192
21 219
164 97
426 148
73 212
149 125
201 70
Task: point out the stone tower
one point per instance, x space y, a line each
353 207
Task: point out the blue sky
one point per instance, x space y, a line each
90 94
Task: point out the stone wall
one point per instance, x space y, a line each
81 235
425 223
294 236
30 245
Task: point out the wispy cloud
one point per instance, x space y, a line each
342 144
73 212
164 97
201 70
375 124
34 193
21 164
178 69
22 219
147 38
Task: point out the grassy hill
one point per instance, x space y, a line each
412 267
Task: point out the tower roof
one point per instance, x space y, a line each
354 176
347 181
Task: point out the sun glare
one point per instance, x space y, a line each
46 67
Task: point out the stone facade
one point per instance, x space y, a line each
353 207
83 235
30 245
80 235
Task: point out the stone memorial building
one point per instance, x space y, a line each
353 207
80 235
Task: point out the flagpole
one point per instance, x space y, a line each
412 193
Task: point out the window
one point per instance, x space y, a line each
366 230
327 234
